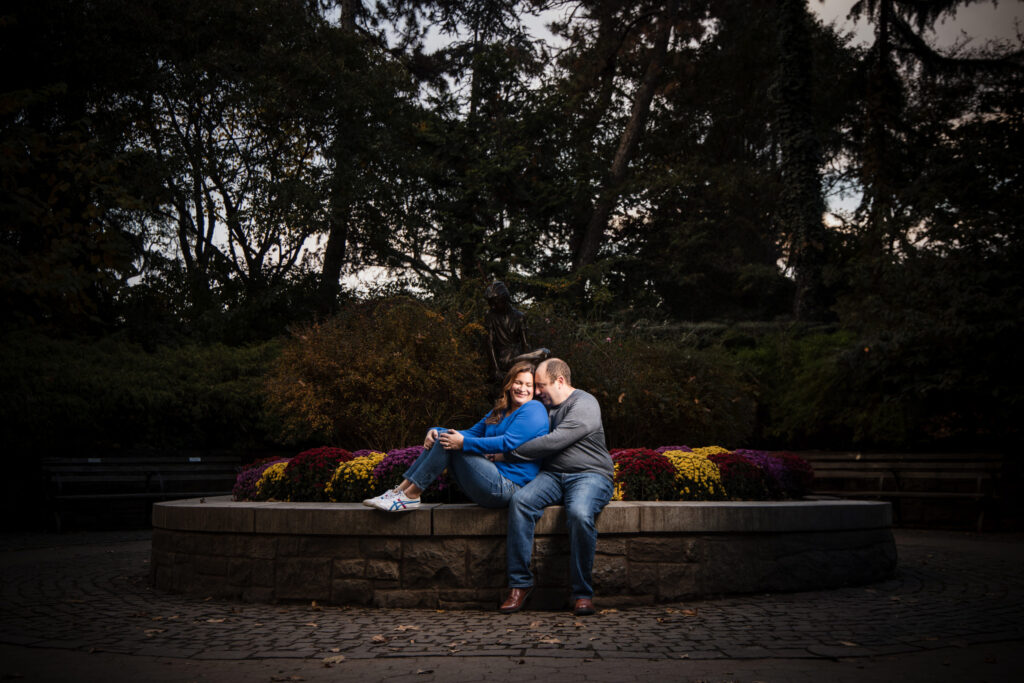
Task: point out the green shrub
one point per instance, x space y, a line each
665 390
97 395
380 374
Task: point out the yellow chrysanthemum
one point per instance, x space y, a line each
710 450
697 477
353 480
270 481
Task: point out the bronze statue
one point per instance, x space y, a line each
506 332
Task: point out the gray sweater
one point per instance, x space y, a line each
575 442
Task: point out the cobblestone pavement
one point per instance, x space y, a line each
90 594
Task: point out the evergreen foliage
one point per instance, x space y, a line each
184 183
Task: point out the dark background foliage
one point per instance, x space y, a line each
188 189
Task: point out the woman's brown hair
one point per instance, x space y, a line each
504 402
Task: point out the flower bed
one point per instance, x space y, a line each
666 473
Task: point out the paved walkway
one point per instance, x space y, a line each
82 604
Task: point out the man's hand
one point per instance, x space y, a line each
451 440
495 457
431 438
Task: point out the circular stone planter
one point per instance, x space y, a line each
453 556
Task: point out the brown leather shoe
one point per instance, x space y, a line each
515 600
583 607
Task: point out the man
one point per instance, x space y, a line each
577 472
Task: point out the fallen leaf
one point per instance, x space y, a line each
379 639
315 607
336 659
550 640
150 632
405 627
424 671
310 624
536 624
578 624
848 643
335 649
609 611
690 612
216 621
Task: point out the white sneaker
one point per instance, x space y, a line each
398 503
376 501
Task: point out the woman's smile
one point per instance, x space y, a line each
522 388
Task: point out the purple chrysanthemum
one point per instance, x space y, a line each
245 483
396 459
773 468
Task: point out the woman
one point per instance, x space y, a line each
515 419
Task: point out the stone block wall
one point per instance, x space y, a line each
453 556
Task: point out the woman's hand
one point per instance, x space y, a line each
451 440
431 438
495 457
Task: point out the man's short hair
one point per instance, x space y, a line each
555 367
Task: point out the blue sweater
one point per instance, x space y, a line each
527 422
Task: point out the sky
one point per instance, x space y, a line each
980 21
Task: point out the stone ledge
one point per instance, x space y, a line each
453 556
221 514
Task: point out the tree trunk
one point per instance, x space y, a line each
602 81
334 254
340 209
593 235
802 201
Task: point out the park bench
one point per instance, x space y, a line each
121 488
924 488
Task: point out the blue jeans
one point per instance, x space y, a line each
478 477
584 495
